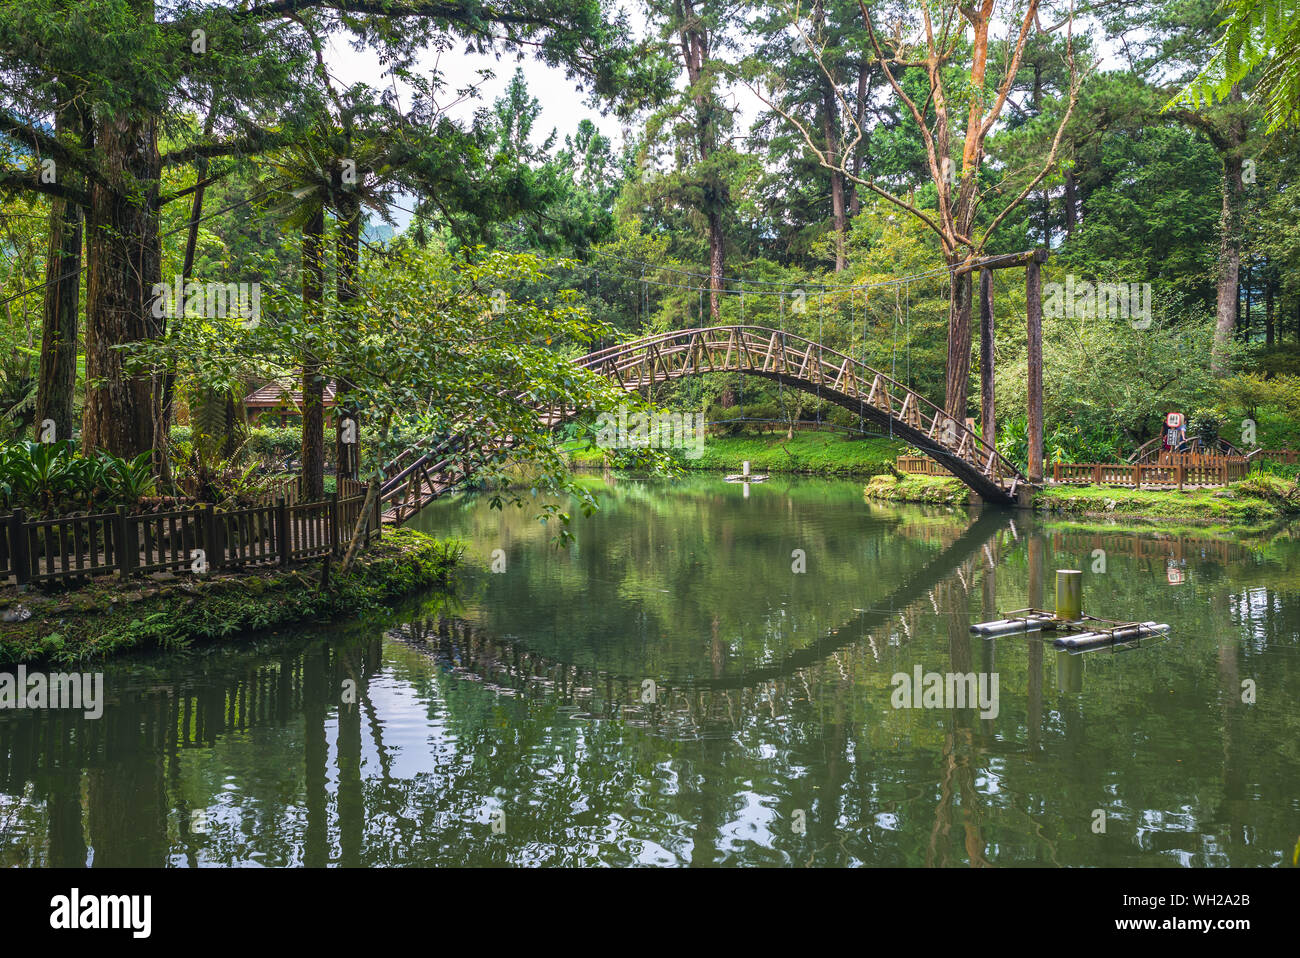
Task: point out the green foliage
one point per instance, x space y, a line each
812 453
275 442
1062 442
1206 425
1271 403
52 478
1256 34
1277 490
451 345
1110 379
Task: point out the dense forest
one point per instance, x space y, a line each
195 205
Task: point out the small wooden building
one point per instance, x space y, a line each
279 402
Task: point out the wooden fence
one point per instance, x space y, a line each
193 539
919 466
1288 456
1217 473
1175 469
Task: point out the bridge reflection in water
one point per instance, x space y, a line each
260 755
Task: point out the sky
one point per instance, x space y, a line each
563 106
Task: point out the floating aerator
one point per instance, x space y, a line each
1080 631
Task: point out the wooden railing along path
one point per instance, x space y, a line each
193 539
919 466
1217 473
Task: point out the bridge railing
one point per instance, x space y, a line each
417 475
830 370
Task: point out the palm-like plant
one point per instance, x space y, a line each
334 171
53 477
1256 34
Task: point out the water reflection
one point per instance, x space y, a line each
669 692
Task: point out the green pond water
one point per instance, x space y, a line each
706 676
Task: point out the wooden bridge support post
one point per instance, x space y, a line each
1034 321
987 412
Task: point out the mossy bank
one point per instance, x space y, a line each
1257 501
825 453
111 616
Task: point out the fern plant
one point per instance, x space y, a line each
1256 33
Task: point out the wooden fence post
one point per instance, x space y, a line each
332 519
216 555
18 547
378 518
127 550
283 533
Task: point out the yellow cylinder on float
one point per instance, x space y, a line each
1069 594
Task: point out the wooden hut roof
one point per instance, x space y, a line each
277 393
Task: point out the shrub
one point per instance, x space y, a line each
1205 424
51 478
1281 492
278 443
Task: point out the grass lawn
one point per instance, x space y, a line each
1240 504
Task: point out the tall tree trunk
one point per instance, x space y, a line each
233 415
1268 309
716 263
124 255
694 43
1071 204
313 381
988 406
860 111
58 367
347 454
1229 262
839 212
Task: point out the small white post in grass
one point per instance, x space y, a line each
744 468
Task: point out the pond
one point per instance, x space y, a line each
708 674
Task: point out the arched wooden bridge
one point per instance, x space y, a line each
422 474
